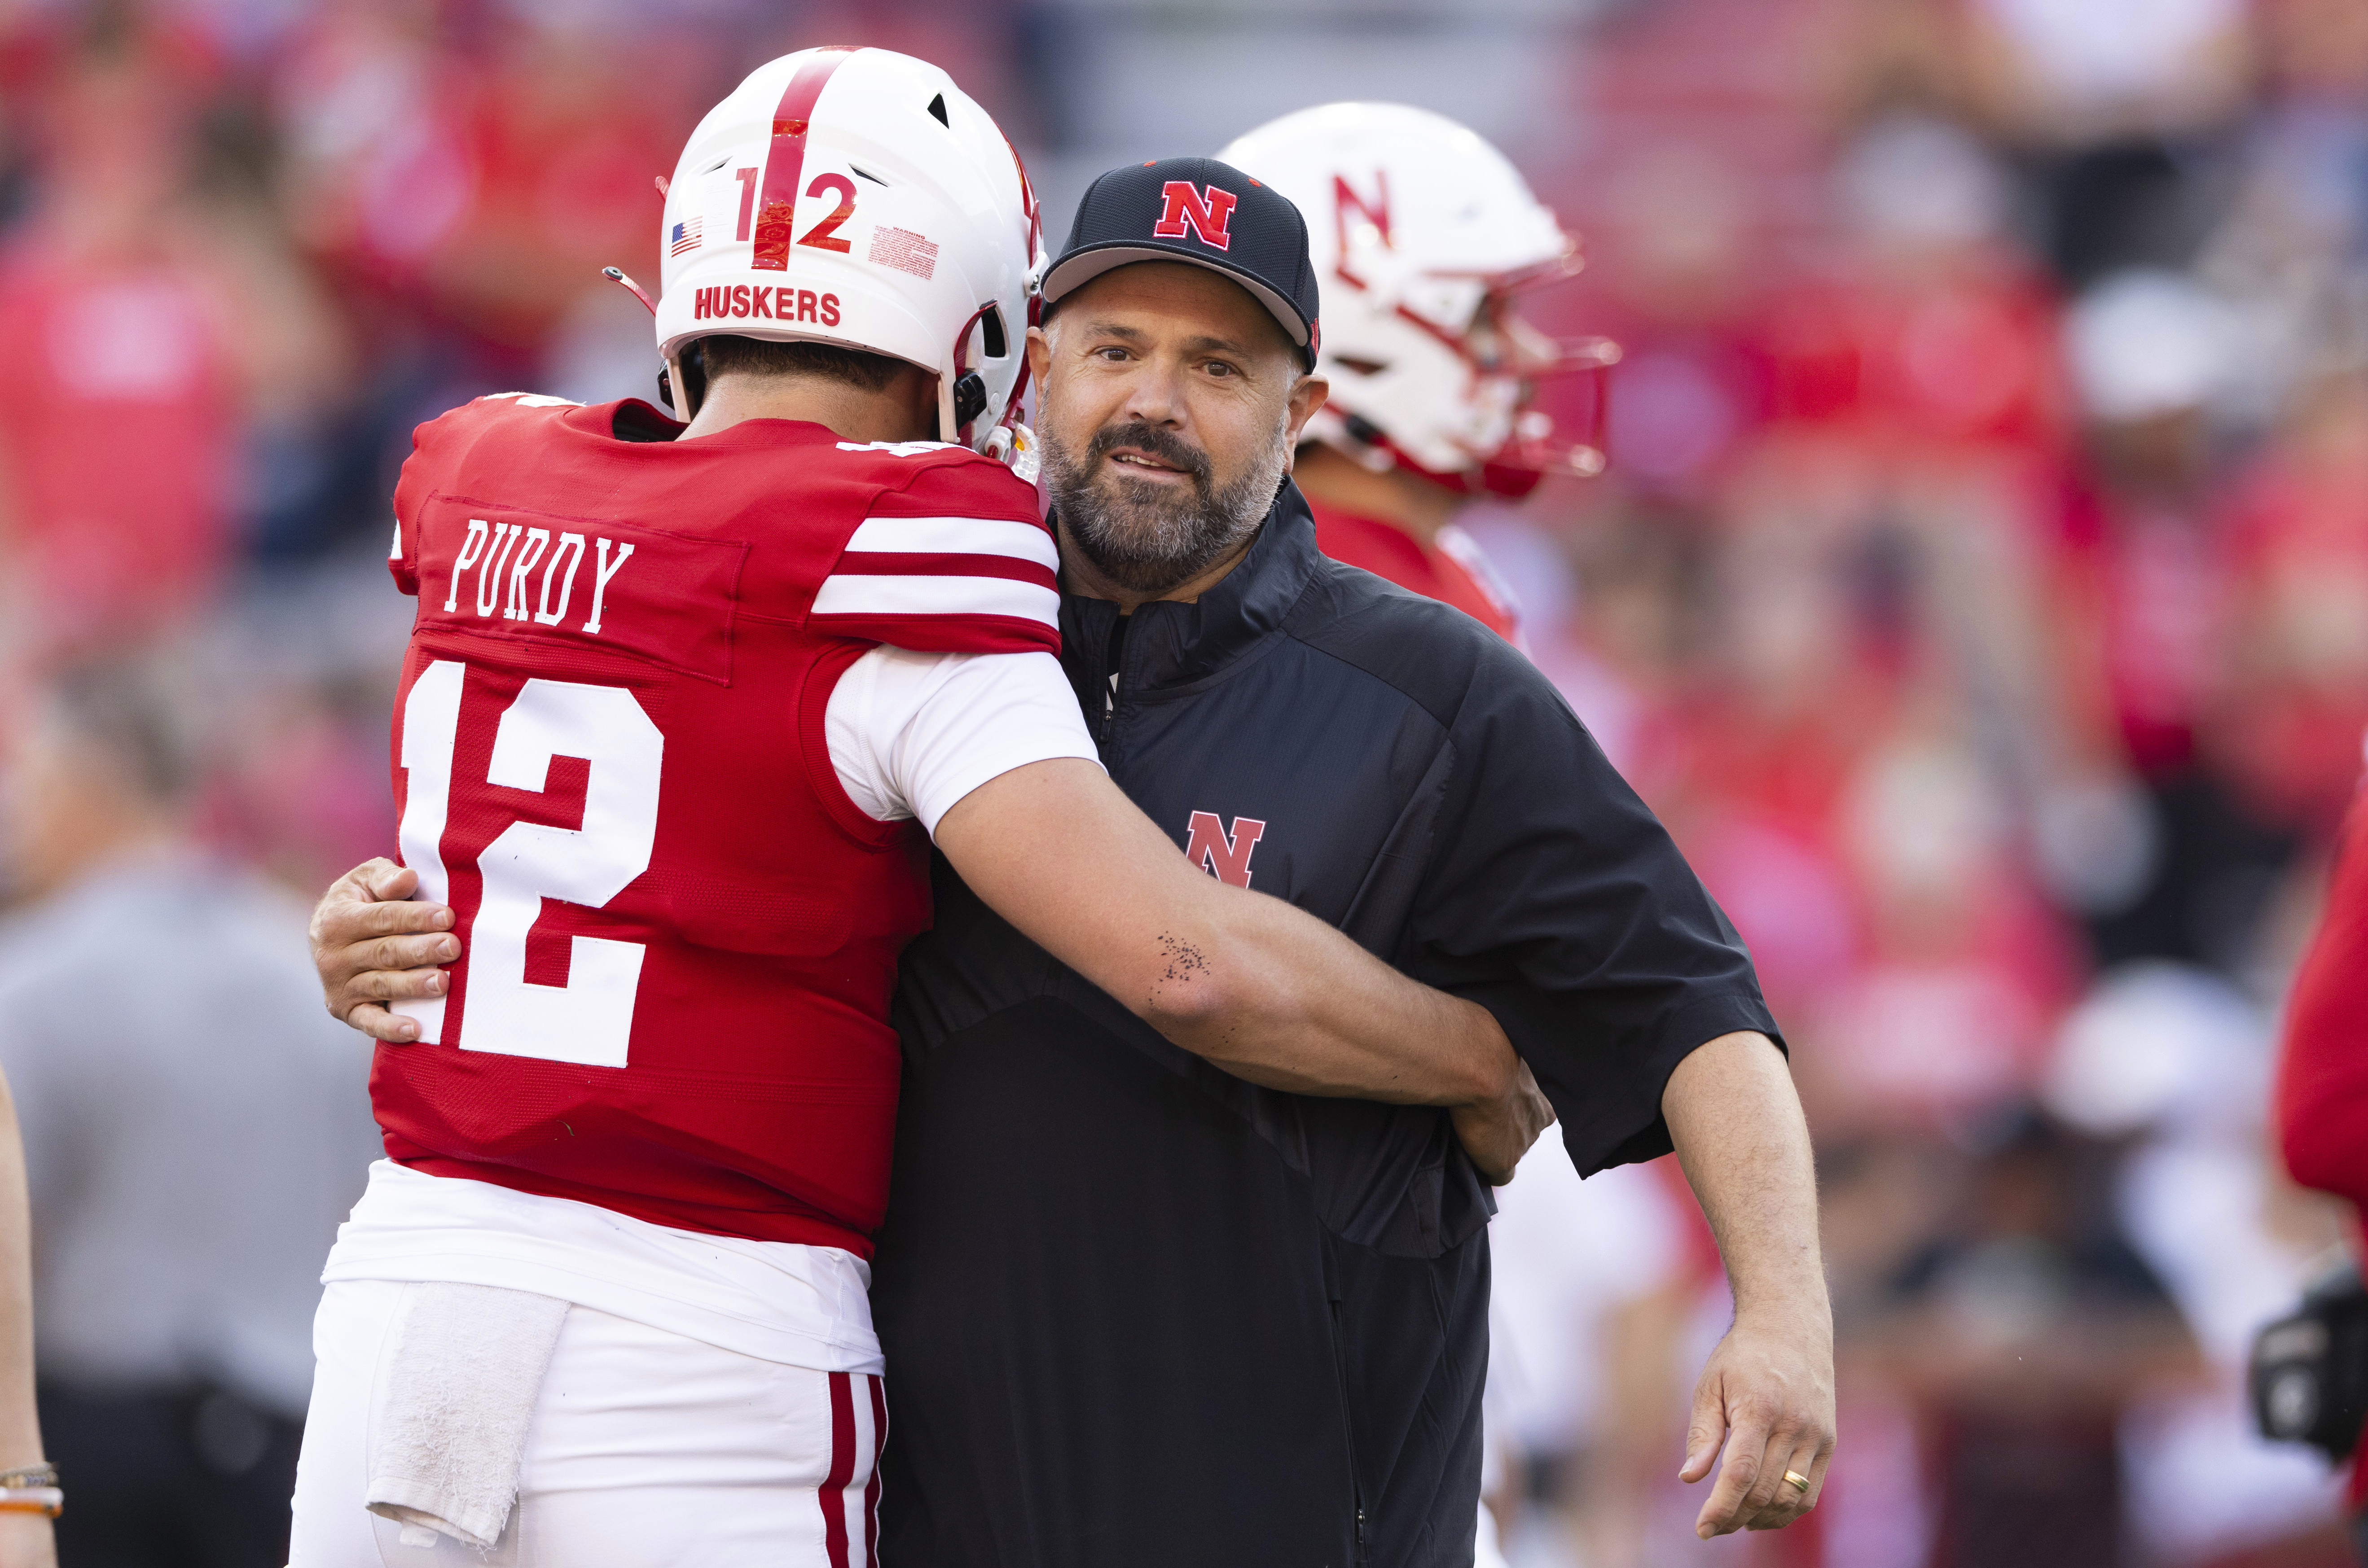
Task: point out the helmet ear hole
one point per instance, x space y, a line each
990 325
938 107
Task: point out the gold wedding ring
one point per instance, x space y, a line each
1797 1479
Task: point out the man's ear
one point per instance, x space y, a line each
1307 395
1040 355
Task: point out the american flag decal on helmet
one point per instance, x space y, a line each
685 236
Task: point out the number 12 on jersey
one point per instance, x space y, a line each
589 1019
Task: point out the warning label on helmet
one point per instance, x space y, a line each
903 250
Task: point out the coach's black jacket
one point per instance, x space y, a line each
1138 1312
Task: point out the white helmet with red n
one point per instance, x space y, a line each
857 197
1421 234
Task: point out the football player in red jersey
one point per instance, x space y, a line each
675 699
1422 234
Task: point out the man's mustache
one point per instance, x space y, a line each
1153 442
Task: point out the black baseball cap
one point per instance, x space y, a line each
1201 211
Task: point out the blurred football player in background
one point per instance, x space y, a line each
2322 1087
1423 236
184 1195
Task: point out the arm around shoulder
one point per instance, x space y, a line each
1244 981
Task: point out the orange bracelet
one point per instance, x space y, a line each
47 1500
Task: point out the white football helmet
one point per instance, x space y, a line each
857 197
1421 234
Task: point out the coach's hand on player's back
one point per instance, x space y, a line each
373 944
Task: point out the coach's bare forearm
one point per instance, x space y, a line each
1767 1395
1291 1004
1255 986
1280 998
1737 1122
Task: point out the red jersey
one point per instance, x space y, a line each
679 934
1453 571
2320 1102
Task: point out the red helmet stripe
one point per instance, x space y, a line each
785 157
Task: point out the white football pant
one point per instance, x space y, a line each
647 1450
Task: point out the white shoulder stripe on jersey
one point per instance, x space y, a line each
532 400
901 449
847 595
956 536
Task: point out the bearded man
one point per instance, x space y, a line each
1142 1312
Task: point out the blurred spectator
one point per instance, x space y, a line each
2293 699
2084 70
196 1129
118 433
2021 1332
2171 1064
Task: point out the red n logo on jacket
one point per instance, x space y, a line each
1210 216
1224 856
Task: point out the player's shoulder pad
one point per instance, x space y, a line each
919 477
953 555
501 407
439 448
456 429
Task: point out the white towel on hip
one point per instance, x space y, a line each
453 1408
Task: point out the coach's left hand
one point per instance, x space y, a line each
372 943
1767 1393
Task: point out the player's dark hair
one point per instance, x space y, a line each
727 355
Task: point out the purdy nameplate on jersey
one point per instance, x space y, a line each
597 584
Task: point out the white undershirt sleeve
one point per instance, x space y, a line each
911 734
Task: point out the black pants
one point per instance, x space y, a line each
194 1478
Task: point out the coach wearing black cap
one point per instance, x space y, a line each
1137 1311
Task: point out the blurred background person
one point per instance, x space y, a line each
1422 236
195 1129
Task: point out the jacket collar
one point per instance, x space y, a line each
1173 645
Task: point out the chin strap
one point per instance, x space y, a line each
1014 446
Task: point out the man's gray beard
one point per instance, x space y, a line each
1141 537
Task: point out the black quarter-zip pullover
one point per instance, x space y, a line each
1140 1312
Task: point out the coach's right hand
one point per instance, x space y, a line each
1498 1132
374 945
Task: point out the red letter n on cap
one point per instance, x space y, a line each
1226 857
1208 216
